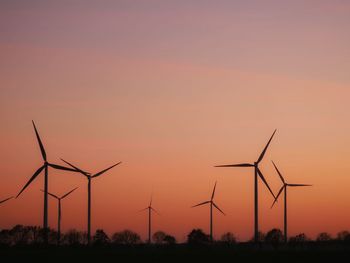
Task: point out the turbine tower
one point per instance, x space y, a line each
59 212
211 202
89 177
257 173
44 167
150 209
284 188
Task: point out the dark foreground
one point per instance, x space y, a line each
177 253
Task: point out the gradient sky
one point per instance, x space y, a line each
172 88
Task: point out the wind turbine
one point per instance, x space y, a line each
284 188
89 177
211 202
257 173
3 201
44 167
59 212
150 209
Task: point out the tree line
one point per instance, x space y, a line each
21 235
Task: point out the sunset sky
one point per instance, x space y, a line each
172 88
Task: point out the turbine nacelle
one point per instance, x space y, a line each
45 165
211 201
285 184
256 164
63 196
87 174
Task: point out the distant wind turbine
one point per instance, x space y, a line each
284 188
211 202
150 209
45 167
89 177
3 201
59 212
257 173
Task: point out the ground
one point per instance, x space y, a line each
178 253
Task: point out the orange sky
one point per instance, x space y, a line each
171 89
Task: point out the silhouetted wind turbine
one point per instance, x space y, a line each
284 188
45 167
211 202
3 201
257 173
59 212
89 177
150 209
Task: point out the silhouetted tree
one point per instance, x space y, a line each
344 236
228 238
323 237
20 235
197 237
158 237
169 240
261 237
126 237
53 236
74 238
5 237
300 238
274 236
37 235
100 238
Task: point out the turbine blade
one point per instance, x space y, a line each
299 185
143 209
264 151
105 170
31 179
279 193
236 165
150 202
218 209
206 202
43 153
71 191
212 195
2 201
76 168
59 167
265 182
55 196
155 211
279 173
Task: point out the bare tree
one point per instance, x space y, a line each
126 237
